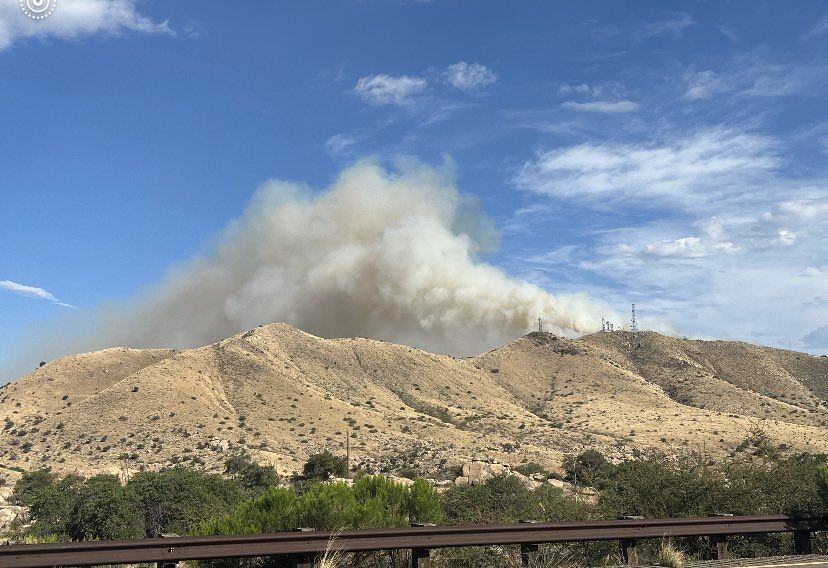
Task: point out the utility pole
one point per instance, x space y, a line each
348 453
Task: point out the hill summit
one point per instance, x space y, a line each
282 394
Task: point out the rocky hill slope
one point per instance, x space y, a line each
283 394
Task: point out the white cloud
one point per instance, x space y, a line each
735 240
638 32
686 247
389 89
339 144
76 18
753 76
31 292
702 85
602 106
582 89
469 76
695 168
673 26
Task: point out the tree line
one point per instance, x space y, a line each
249 498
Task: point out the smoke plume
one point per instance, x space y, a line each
387 255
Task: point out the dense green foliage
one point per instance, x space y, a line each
693 485
325 465
171 500
586 468
372 501
246 499
254 477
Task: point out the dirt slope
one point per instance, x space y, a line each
283 394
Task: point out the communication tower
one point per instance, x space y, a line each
633 322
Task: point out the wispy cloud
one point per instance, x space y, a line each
818 29
690 169
31 292
384 89
469 76
339 145
673 26
76 18
601 106
736 236
754 76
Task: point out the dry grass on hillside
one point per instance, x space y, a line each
283 394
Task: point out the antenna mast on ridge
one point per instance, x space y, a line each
633 323
540 325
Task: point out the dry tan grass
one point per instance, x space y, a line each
669 555
331 558
283 394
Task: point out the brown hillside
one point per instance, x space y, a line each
283 394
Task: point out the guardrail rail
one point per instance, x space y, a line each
302 546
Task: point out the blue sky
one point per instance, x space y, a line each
672 154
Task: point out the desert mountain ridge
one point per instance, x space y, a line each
282 394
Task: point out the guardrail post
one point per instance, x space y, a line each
420 558
302 560
629 546
720 540
525 551
802 541
166 563
629 551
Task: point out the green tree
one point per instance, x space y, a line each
373 501
177 499
324 465
587 468
328 506
274 511
255 478
104 509
423 503
658 486
501 499
50 501
822 485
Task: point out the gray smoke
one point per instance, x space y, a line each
387 255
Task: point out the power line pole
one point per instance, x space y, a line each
348 452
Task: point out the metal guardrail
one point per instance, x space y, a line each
301 546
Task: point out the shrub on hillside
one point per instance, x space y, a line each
505 499
255 478
587 468
531 468
324 465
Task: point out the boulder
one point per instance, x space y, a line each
218 445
